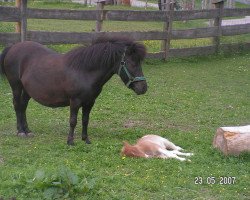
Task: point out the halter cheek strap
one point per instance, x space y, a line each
131 78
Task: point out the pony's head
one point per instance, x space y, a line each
130 69
126 56
131 151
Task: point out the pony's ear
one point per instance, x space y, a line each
131 49
138 50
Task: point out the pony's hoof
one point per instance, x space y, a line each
87 141
30 134
21 134
70 142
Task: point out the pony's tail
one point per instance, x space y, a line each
2 57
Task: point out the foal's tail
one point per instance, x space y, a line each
2 57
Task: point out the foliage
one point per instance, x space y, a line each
59 184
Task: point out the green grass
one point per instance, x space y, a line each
241 5
186 102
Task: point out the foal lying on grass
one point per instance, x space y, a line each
150 146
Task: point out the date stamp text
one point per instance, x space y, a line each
211 180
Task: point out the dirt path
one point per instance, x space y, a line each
141 4
229 22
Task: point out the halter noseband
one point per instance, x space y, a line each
131 78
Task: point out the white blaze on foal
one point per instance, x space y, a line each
150 146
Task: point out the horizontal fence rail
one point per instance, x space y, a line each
74 38
200 51
13 14
20 15
9 38
61 14
10 14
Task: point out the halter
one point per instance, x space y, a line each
131 78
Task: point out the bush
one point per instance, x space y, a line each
60 184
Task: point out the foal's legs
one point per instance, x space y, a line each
74 108
181 153
172 146
86 108
168 154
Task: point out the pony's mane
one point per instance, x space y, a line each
104 52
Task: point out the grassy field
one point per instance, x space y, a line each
187 100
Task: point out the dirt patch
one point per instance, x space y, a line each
134 123
162 125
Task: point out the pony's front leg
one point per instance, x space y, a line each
74 108
86 108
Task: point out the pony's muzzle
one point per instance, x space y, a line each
139 87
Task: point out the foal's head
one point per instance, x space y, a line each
131 151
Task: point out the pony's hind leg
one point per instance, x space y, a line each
17 92
24 103
20 102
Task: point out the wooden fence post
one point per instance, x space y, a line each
169 7
23 20
99 15
21 26
219 4
18 24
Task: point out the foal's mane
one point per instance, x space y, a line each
104 52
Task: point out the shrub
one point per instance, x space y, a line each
60 184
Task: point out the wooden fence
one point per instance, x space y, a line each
22 13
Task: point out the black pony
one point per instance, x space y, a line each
73 79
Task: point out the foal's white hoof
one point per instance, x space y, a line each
179 148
